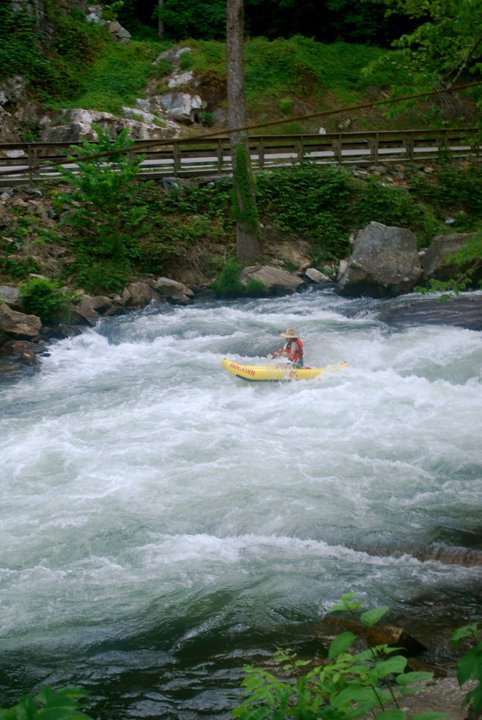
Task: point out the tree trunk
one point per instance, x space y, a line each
248 243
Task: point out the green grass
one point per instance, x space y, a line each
314 76
117 77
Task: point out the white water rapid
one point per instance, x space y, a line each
161 522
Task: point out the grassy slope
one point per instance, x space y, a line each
285 78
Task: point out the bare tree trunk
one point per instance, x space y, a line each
248 243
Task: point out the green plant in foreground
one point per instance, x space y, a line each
469 667
348 685
106 215
48 705
229 285
43 298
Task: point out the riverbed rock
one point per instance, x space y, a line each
173 290
23 351
273 278
315 276
384 263
17 325
10 295
436 261
139 294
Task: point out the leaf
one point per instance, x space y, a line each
340 644
466 631
392 666
430 715
395 714
411 678
360 694
470 665
371 617
346 602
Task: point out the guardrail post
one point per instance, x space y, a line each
300 151
373 148
260 149
336 145
176 151
31 156
409 147
220 155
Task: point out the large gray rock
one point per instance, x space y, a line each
18 325
139 294
182 106
11 295
173 290
384 263
436 261
273 278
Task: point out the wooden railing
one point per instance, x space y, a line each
39 162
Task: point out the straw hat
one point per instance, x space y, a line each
288 333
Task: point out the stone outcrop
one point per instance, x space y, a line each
273 278
384 263
174 291
17 325
436 261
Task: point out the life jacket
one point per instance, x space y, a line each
296 357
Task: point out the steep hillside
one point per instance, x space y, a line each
57 59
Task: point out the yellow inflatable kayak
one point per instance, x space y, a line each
276 372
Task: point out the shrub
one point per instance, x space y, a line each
43 298
346 686
106 214
229 283
388 205
62 704
469 667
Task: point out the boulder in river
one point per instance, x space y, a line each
18 325
384 263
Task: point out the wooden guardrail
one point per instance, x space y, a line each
39 162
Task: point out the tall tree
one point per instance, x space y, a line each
248 240
447 41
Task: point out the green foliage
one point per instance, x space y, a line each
347 685
43 298
446 38
194 18
105 215
452 189
18 268
388 205
244 199
229 284
469 259
108 86
50 64
63 704
310 202
469 667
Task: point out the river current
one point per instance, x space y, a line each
162 523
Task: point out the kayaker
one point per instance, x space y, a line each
292 349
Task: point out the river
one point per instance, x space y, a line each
162 523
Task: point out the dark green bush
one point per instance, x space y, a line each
102 275
384 204
229 283
452 189
43 298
